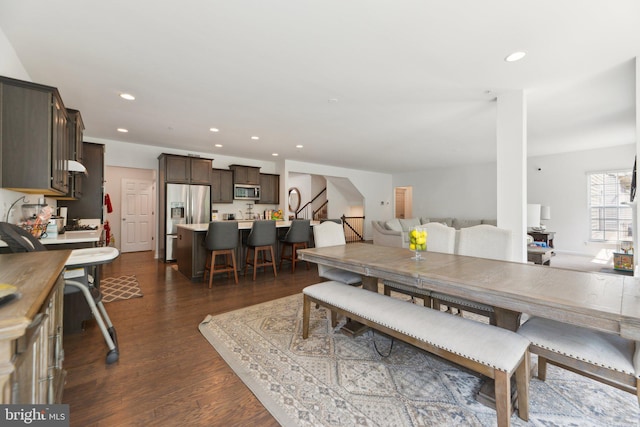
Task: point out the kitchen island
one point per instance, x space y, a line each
191 253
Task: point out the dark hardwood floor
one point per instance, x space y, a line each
168 374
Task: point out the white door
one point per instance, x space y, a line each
137 214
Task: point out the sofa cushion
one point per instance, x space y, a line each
464 223
424 220
394 224
409 224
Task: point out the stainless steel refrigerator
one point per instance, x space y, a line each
186 204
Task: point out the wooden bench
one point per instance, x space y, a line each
491 351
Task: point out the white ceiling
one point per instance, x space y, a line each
415 81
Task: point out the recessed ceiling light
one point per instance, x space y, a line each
333 100
123 130
214 129
299 146
274 154
219 145
255 137
515 56
127 96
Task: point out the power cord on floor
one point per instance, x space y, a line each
375 346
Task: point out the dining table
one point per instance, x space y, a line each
602 301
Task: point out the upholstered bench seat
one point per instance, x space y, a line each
489 350
608 358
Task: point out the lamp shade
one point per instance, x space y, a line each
545 212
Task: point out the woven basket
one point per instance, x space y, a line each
36 230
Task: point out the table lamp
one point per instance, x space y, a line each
545 214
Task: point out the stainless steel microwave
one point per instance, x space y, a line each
246 192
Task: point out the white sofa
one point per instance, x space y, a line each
395 232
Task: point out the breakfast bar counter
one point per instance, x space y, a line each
191 251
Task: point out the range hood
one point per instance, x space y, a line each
74 166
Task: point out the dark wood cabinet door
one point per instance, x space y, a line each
269 189
177 169
200 171
246 175
221 186
253 175
60 147
226 186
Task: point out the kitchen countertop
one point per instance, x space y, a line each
70 237
242 225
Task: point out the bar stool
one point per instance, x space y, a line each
296 238
221 239
260 240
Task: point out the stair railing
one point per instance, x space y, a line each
307 205
353 228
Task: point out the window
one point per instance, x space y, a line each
610 217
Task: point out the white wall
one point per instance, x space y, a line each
561 183
10 66
375 187
467 192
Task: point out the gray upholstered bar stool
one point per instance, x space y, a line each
296 238
221 239
261 239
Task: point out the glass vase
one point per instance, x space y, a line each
418 242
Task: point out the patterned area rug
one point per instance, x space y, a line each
334 380
117 288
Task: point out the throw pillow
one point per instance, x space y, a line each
394 225
409 224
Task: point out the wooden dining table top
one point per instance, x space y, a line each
601 301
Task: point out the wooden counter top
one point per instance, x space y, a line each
35 274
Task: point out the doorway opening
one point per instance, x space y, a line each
403 202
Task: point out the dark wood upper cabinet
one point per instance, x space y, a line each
221 186
200 171
269 189
33 138
75 138
245 174
185 170
90 205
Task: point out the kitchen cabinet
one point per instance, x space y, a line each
245 174
221 186
31 333
191 253
175 169
33 138
269 189
90 205
185 169
75 139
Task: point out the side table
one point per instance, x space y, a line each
542 236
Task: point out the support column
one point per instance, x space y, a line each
636 211
511 156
